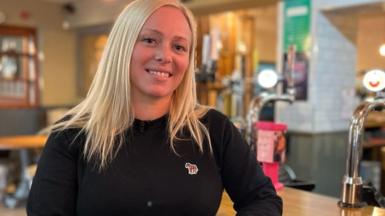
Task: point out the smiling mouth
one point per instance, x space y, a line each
374 84
159 73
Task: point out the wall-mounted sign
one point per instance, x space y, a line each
296 33
374 80
300 75
297 20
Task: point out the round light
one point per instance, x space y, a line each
374 80
382 49
267 78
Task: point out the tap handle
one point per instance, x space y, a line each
291 66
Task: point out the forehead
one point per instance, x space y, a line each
169 20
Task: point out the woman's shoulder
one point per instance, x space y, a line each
60 130
66 133
66 139
214 116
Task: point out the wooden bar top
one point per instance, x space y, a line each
22 142
302 203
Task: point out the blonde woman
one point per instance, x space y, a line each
139 143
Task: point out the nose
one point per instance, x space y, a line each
163 55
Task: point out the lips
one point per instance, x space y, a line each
160 73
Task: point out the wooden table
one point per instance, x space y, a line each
22 144
302 203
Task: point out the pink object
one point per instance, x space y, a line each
265 125
268 153
271 170
267 149
265 146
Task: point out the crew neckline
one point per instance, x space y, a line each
161 121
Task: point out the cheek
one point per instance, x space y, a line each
139 55
182 65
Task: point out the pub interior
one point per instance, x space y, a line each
299 68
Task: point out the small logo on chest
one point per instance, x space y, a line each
192 168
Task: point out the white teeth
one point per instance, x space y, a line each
158 73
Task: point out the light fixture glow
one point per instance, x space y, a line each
374 80
382 50
267 78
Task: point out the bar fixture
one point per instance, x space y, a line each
258 102
353 188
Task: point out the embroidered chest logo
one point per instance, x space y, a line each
192 168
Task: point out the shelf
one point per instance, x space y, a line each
16 80
19 72
13 53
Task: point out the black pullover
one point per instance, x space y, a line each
147 178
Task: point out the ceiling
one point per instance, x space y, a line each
199 6
346 18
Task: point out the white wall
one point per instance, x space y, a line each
331 77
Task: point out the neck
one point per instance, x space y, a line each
151 109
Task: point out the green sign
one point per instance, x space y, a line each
297 22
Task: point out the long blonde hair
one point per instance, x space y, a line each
106 112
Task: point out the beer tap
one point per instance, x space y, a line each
258 102
352 184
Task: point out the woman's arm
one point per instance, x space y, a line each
54 186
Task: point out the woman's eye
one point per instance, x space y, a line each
180 48
149 40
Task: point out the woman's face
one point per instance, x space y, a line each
161 55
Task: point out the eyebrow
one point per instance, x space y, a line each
160 33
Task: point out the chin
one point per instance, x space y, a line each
159 94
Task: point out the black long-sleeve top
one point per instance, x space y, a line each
147 178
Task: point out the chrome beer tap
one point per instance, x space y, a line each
352 184
256 106
258 102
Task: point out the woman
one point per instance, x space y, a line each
139 144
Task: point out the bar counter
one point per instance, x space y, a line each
302 203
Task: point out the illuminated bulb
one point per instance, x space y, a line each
374 80
267 78
382 50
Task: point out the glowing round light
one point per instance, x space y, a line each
374 80
267 78
382 49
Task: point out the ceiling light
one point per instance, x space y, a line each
382 50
